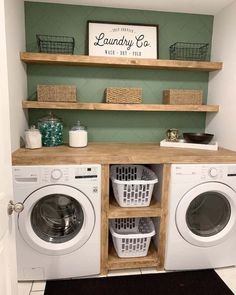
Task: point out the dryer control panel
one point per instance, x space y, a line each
203 172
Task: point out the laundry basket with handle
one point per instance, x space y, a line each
132 185
132 236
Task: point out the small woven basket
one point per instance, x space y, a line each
123 95
182 96
63 93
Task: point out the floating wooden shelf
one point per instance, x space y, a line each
115 211
115 262
97 61
119 107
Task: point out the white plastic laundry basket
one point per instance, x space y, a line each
132 185
131 236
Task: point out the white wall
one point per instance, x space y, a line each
15 42
222 85
12 83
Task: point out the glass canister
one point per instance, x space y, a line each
51 128
78 136
33 138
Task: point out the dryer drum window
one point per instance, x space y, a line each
208 214
57 218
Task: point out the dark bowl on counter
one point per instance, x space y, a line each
198 137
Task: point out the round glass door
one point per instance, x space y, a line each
57 219
205 216
208 214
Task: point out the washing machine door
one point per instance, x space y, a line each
56 220
205 216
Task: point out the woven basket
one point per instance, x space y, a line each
123 95
56 93
182 96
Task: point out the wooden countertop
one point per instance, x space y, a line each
119 153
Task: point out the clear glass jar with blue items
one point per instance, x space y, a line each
51 128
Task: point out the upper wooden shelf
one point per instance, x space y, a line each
119 107
97 61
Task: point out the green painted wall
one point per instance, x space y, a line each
71 20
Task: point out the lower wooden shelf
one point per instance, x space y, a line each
115 262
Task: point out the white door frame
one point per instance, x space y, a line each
8 277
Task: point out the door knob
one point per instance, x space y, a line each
17 207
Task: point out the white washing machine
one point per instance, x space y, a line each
58 233
201 228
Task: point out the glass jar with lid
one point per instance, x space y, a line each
78 135
51 128
33 138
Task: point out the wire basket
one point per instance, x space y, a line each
55 44
132 185
131 236
189 51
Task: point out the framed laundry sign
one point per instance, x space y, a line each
122 40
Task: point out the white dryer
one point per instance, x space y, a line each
60 225
201 228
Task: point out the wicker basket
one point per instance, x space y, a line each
182 96
63 93
123 95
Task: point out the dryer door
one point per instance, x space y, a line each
205 216
56 220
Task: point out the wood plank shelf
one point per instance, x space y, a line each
98 61
115 262
115 211
119 107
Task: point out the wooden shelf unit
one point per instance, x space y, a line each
119 107
97 61
155 257
107 154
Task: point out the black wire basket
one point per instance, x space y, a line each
189 51
55 44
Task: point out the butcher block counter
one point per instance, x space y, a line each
119 153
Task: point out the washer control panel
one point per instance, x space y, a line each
56 174
70 173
